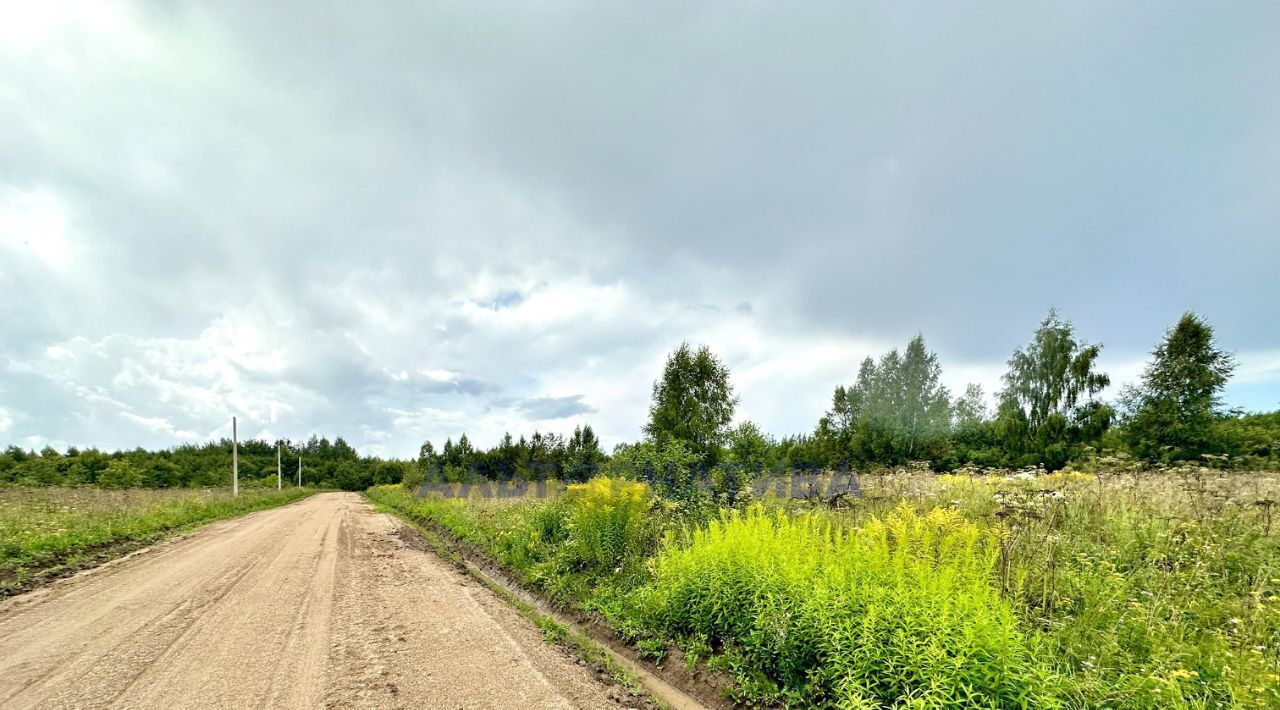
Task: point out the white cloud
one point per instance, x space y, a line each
31 26
201 216
34 224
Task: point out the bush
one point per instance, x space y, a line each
806 613
120 474
607 522
413 477
670 467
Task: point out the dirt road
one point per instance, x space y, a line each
317 604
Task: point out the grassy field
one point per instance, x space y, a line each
43 529
1123 590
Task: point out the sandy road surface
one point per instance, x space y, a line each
317 604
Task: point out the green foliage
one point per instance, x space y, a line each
1134 589
607 522
750 449
1152 590
413 476
750 454
806 453
1172 413
896 411
327 465
539 457
808 613
969 411
693 403
1047 411
669 467
973 438
1253 439
530 536
562 546
120 474
1158 611
583 456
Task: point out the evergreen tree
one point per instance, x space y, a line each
426 454
583 454
1173 411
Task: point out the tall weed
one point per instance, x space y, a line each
607 522
898 611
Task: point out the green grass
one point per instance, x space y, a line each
1126 590
44 528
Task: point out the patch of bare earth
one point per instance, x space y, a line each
317 604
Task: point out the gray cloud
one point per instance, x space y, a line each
544 408
393 223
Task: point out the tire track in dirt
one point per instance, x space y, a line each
316 604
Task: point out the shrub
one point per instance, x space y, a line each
607 522
413 477
670 467
896 610
120 474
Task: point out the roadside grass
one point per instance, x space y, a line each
978 589
48 528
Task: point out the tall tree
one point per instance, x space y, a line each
426 455
1047 404
693 402
970 409
972 431
1172 411
583 455
749 448
897 409
924 411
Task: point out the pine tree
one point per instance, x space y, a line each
1172 412
583 454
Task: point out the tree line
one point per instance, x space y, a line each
326 464
538 457
1048 413
895 410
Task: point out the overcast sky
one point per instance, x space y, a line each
401 221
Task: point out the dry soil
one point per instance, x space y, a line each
316 604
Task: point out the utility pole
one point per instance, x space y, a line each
235 459
299 471
279 484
